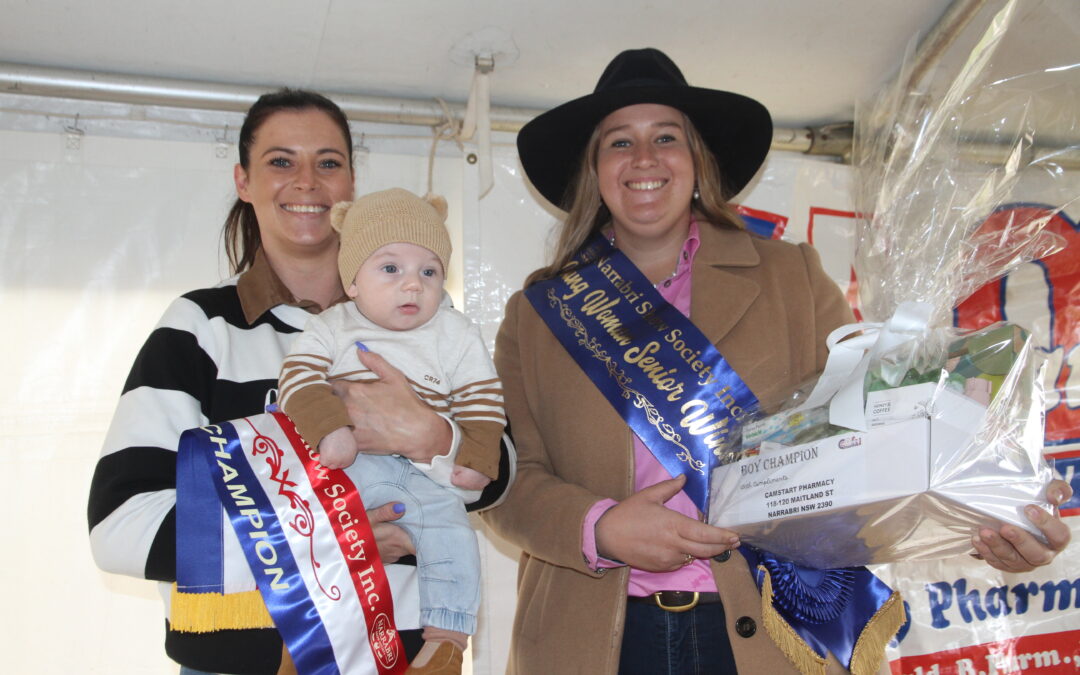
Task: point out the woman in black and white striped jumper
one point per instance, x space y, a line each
216 355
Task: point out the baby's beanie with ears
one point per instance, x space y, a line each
387 217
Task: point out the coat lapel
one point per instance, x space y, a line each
719 298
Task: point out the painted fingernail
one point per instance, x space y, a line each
361 346
398 506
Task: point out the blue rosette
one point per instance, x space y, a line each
810 613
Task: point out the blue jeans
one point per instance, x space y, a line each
659 642
447 555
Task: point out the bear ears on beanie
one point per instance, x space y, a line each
338 211
337 215
438 202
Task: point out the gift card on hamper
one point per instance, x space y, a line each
809 502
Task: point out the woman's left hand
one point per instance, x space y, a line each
1013 549
388 417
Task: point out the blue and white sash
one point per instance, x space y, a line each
680 396
304 534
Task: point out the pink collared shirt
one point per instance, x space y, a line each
648 471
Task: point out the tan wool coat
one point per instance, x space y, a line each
768 307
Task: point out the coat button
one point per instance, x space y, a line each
723 557
745 626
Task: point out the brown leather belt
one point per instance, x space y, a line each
677 601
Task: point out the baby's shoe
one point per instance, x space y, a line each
446 660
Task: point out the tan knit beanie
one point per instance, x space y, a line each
388 217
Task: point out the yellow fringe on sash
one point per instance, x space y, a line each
208 612
869 648
805 659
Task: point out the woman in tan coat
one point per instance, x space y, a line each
617 572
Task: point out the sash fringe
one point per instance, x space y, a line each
208 612
870 647
801 655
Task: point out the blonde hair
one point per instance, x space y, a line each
586 213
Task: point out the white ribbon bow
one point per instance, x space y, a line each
842 382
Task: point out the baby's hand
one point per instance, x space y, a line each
337 449
468 479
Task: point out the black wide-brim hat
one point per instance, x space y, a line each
736 128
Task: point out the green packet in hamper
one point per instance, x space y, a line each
983 356
974 365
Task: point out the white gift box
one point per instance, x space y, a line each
927 473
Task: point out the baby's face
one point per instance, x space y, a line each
399 286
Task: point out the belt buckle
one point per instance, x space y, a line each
676 608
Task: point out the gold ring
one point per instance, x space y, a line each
688 561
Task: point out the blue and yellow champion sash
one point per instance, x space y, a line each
658 371
304 535
681 397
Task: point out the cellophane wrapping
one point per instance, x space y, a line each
918 433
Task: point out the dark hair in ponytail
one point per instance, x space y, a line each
241 231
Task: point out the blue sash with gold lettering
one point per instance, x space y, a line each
663 376
680 396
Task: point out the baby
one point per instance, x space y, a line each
392 261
